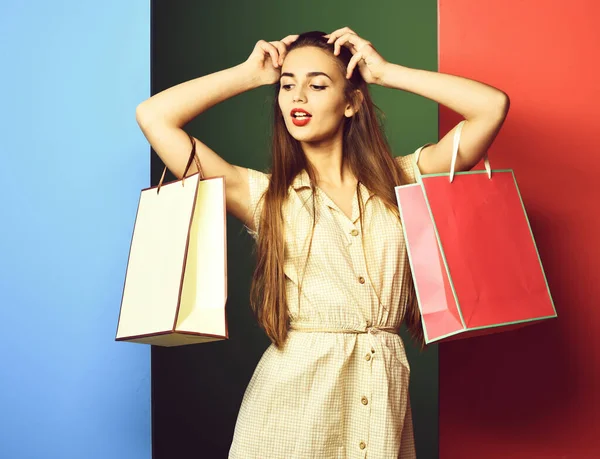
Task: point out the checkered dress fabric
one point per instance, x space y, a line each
339 387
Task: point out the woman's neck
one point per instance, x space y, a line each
326 157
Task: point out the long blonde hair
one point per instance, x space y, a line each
368 156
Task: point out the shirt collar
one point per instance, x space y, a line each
302 180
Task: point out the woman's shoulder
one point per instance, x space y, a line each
405 161
258 182
258 175
408 163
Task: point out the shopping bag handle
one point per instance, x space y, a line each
457 133
193 157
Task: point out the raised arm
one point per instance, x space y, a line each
483 106
162 117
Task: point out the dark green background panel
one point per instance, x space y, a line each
197 390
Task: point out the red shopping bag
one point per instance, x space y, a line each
474 261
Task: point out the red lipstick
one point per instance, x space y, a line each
303 117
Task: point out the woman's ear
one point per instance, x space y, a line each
355 103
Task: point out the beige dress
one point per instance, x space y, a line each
339 387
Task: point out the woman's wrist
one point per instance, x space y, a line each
251 79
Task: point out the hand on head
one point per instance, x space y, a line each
267 57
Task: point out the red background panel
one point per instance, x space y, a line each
533 392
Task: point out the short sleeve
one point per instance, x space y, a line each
258 183
407 164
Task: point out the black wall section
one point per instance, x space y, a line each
197 390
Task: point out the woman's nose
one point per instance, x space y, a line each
298 97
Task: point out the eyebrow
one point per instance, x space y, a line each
309 74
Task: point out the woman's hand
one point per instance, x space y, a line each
370 63
266 59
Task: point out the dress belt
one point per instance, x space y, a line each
369 329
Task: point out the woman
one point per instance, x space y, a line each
332 282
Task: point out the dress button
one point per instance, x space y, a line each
361 280
368 357
364 400
362 445
354 232
372 351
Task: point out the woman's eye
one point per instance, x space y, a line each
317 87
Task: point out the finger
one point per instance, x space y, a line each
353 63
280 51
346 38
338 33
289 39
269 48
334 35
339 43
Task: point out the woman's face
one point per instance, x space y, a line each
311 81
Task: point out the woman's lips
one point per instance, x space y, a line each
300 121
